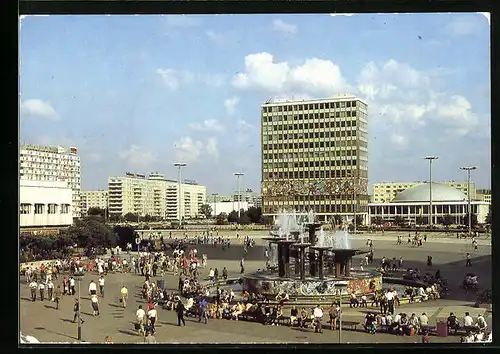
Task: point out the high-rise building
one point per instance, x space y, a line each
483 195
48 163
93 199
315 156
387 191
155 196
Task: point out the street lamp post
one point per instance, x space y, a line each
79 276
430 158
469 169
180 165
215 203
238 175
340 285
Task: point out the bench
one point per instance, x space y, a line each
353 325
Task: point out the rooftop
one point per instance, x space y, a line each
420 193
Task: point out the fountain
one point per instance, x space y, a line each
310 276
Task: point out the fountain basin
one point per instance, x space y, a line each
270 284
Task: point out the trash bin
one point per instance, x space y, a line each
442 329
160 283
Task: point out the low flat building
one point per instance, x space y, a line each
414 202
227 207
45 204
387 191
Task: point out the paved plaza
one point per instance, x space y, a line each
42 321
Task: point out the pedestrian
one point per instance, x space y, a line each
140 315
124 296
318 315
92 288
50 290
65 286
95 305
468 260
149 337
152 317
33 287
41 287
101 285
203 311
224 273
76 309
57 296
180 313
72 285
242 265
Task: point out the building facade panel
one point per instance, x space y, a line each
314 155
45 203
93 199
48 163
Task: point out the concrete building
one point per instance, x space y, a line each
154 195
93 199
45 204
413 203
48 163
483 195
315 156
247 195
387 191
228 206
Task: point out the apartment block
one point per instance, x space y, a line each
93 199
315 156
154 195
48 163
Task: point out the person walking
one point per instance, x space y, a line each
92 288
242 265
101 286
124 296
203 311
180 313
140 315
467 260
41 287
57 296
152 316
76 309
33 287
95 304
224 273
50 290
72 285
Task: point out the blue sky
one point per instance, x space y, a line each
137 93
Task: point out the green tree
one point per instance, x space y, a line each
465 220
115 217
359 220
266 220
126 234
398 220
92 233
255 214
447 220
244 220
206 210
221 219
96 212
131 217
420 220
233 216
377 220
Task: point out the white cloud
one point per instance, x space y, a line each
244 131
94 156
214 80
189 150
284 28
170 78
467 24
316 76
230 105
174 79
208 125
138 158
39 108
215 37
398 140
182 21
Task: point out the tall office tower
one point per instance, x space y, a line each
93 199
48 163
315 156
154 195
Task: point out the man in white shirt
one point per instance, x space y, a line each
41 287
421 293
318 315
424 320
468 322
72 285
390 302
50 290
140 313
101 285
152 314
92 288
33 286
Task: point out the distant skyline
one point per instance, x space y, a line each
138 93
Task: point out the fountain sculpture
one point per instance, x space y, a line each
309 261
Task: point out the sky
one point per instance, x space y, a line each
138 93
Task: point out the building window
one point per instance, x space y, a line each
39 208
65 208
52 208
25 208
